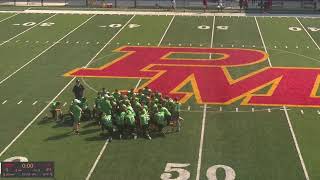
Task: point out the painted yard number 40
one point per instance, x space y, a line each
185 174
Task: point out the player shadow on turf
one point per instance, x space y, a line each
45 120
96 138
91 124
88 131
60 136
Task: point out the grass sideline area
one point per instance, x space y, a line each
235 141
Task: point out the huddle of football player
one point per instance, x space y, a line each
126 113
131 111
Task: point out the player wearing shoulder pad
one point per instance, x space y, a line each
119 118
130 121
55 109
144 120
76 112
97 111
106 124
166 113
85 109
176 114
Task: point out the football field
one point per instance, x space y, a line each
265 127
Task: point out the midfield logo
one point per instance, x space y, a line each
210 79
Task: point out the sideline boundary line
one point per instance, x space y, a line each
61 91
289 122
4 42
156 13
44 51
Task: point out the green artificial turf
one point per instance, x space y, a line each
256 142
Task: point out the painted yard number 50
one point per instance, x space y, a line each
185 174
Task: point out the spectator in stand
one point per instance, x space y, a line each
173 4
205 5
240 4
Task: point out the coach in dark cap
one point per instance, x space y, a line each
78 90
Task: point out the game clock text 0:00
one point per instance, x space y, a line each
27 169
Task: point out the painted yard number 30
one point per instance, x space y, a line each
185 174
34 23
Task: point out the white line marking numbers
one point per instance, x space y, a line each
46 24
222 27
312 29
230 174
120 25
175 167
184 174
295 29
205 27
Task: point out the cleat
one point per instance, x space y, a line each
149 137
120 136
135 137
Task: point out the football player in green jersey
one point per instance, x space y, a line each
130 121
144 121
97 111
76 113
85 109
55 109
160 120
119 117
106 124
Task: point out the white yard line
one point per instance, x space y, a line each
62 90
204 114
201 141
8 17
308 33
163 35
97 160
165 32
138 83
4 42
106 143
3 80
288 119
212 33
296 144
264 45
34 103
